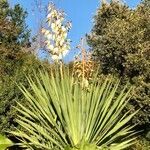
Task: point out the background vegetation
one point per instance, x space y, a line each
16 60
120 40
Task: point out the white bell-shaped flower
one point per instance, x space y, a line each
55 12
58 22
50 47
60 56
65 52
53 25
49 36
49 16
63 29
49 22
64 35
55 50
56 29
52 14
61 42
46 32
57 43
59 25
55 57
54 37
64 47
59 38
61 18
50 7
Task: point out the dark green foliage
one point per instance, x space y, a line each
120 40
13 29
15 61
9 92
13 35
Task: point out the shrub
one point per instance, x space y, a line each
120 41
60 114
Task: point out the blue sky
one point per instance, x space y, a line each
80 12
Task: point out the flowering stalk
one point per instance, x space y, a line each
83 66
56 40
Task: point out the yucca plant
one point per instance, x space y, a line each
61 115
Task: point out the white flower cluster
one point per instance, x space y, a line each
56 40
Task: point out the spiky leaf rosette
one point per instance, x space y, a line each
61 115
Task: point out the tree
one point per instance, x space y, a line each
15 61
12 21
13 35
120 41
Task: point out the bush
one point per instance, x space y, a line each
120 41
9 92
61 114
16 60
